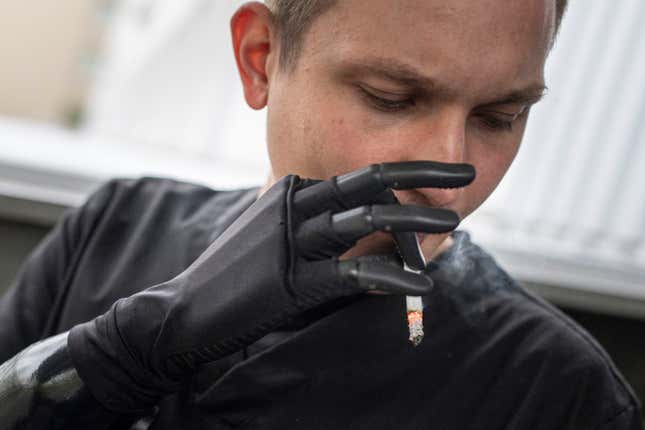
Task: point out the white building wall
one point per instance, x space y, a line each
44 46
574 200
169 79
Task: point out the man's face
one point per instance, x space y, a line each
381 81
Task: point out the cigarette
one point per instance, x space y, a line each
413 262
414 306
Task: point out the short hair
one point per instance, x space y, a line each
292 18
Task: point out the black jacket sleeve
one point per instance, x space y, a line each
628 419
26 308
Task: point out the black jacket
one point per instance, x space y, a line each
494 356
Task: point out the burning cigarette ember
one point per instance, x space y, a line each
415 319
414 304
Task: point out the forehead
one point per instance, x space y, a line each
464 41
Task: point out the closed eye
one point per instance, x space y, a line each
501 121
386 102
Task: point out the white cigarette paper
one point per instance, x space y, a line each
414 306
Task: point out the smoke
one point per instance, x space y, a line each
466 278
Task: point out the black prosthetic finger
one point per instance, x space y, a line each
321 281
317 239
410 250
406 242
353 224
427 174
403 176
318 198
369 276
362 186
365 183
326 235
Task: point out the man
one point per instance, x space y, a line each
245 313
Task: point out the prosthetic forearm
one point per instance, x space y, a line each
40 388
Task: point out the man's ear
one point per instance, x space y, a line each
252 31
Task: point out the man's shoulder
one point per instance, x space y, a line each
140 193
162 217
164 203
536 339
137 233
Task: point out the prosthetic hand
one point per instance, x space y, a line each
278 259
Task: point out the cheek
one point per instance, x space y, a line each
342 146
315 135
322 131
292 136
342 140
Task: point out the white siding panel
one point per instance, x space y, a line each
571 211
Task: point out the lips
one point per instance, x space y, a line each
431 197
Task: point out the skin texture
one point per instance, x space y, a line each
468 58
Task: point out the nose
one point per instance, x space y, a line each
441 138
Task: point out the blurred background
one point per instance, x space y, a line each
93 89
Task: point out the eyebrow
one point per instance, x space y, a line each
392 70
528 96
408 75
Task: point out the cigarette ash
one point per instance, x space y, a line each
415 326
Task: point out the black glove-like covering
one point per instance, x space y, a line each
278 259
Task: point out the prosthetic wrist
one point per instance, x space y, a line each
40 388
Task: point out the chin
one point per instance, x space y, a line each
375 243
434 244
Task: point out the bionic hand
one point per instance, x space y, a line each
278 259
